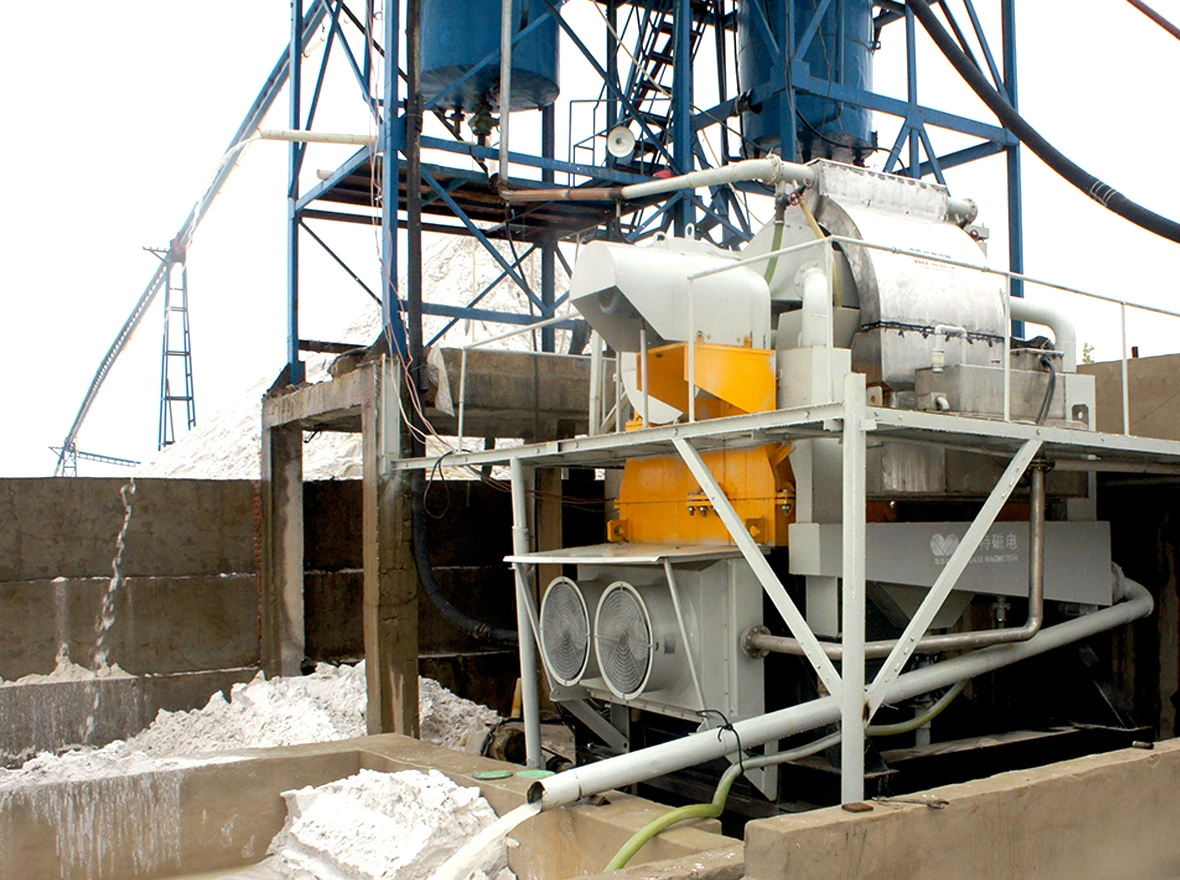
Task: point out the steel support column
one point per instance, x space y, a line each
294 152
529 697
391 141
413 151
852 673
682 131
549 242
1015 199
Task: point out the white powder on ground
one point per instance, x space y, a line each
325 706
66 670
383 826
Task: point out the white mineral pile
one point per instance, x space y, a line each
225 447
325 706
383 826
67 670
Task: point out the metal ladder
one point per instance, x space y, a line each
177 357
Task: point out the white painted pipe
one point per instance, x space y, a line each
770 170
1133 602
1065 336
817 308
961 212
314 137
938 353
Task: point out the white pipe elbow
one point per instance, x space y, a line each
1065 336
817 306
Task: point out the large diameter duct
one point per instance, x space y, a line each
623 290
840 51
569 786
457 35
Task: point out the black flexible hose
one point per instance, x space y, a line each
1104 194
430 586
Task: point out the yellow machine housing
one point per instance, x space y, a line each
661 502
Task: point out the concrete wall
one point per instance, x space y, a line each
188 611
1154 403
191 590
1105 816
1145 533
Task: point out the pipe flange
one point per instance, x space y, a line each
752 650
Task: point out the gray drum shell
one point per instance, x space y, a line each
904 297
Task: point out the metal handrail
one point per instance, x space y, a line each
1009 276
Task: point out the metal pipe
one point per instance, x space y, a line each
756 642
1123 373
300 136
643 375
1065 336
1132 602
596 381
529 700
770 170
506 8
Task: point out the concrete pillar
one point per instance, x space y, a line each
282 647
390 578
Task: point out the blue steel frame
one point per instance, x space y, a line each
911 153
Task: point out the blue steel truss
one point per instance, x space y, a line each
647 80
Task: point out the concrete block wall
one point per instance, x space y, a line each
187 614
189 562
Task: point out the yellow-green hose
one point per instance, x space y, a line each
714 809
919 720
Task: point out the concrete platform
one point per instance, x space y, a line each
217 817
1113 815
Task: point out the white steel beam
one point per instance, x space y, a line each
955 566
761 568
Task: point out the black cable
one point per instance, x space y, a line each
430 586
726 725
1103 193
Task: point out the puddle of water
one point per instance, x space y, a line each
461 864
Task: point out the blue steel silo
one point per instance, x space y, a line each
458 34
840 51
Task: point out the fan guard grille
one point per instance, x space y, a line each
623 640
565 631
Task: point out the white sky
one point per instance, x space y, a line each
116 117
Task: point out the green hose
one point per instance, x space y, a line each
714 809
776 244
641 837
919 720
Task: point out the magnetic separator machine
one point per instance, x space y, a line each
845 485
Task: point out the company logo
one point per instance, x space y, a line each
943 546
